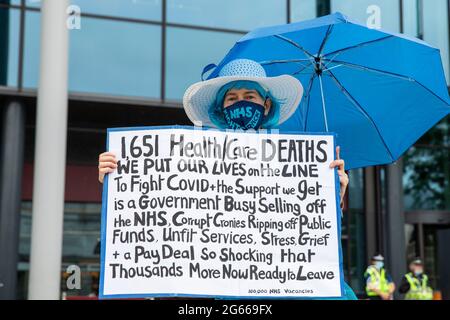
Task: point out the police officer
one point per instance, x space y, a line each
379 284
415 283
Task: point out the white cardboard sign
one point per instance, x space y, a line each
192 212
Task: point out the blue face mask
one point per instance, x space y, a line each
244 115
379 264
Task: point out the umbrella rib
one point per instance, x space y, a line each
308 96
358 45
434 94
330 60
338 66
362 110
283 61
286 61
295 44
391 74
301 73
364 68
301 70
329 30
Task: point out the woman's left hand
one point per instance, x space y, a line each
343 177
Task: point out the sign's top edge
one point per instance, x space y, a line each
193 128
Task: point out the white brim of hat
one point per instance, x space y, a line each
201 95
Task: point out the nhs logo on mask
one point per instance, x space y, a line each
241 112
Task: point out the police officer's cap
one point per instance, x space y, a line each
417 261
378 257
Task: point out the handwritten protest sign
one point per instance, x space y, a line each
195 212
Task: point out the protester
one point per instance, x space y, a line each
242 97
415 283
379 284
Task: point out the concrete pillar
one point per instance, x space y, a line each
50 154
370 206
395 223
11 167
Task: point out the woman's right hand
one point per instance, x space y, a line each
107 163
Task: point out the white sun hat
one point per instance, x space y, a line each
201 95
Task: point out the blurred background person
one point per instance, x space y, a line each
379 284
414 284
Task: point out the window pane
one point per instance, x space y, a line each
106 57
188 52
25 231
303 10
32 3
410 18
308 9
28 3
141 9
429 21
435 28
118 58
31 50
232 14
9 46
356 189
426 179
81 230
383 13
80 246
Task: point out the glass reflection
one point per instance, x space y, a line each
139 9
374 13
411 17
435 29
308 9
106 57
80 239
188 52
232 14
426 179
9 46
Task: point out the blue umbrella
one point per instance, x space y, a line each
379 91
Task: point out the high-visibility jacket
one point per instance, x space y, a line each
377 279
418 290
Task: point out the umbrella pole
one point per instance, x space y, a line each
324 109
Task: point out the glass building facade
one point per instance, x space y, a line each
130 63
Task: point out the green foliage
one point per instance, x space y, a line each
427 170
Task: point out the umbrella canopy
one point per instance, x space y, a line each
379 91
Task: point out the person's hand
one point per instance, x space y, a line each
343 177
107 163
385 296
391 288
372 286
